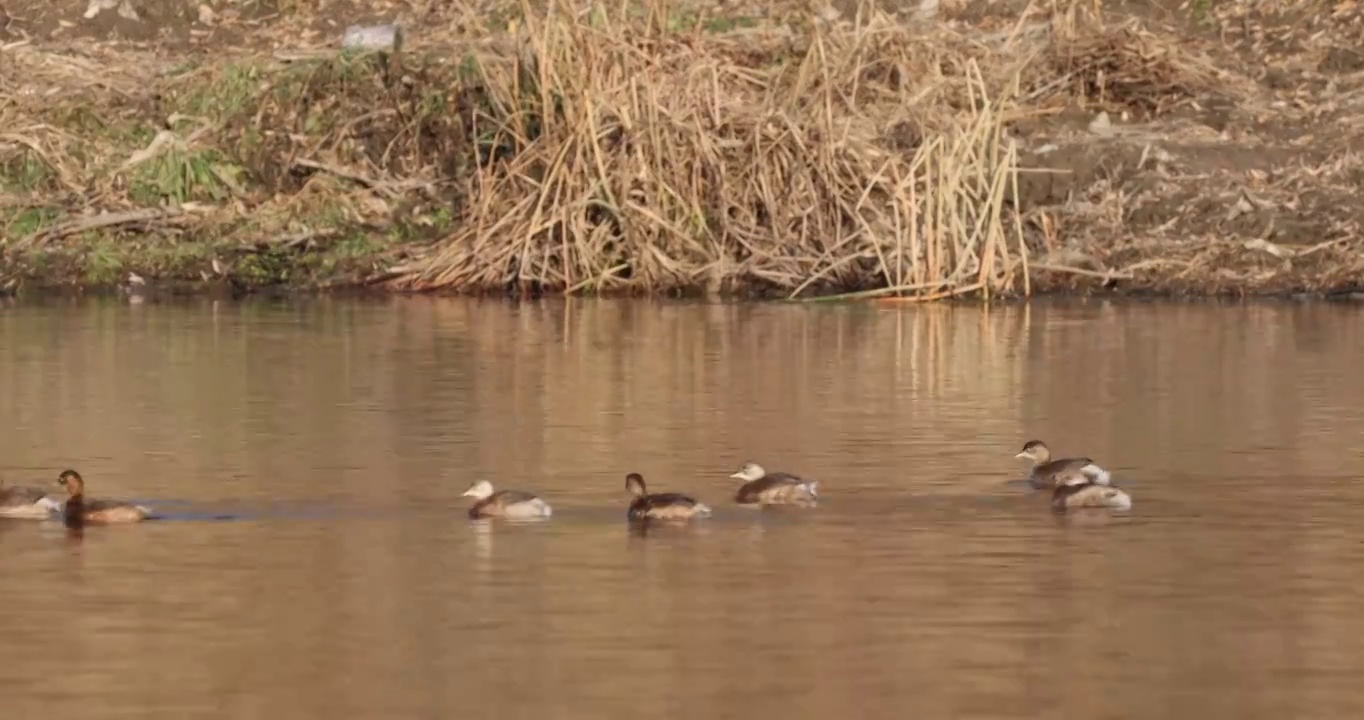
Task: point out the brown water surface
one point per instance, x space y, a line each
315 560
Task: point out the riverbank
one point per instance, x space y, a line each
995 149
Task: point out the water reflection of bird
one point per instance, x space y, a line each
483 545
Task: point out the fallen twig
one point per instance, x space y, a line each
1101 274
98 222
342 173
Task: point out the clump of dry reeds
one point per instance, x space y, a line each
869 156
1127 65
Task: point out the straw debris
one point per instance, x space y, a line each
664 164
667 150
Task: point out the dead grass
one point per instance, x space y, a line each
1127 66
850 158
627 152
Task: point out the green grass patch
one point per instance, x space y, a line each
184 176
26 221
26 172
221 95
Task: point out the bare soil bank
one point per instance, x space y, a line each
1209 150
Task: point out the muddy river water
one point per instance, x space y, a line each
315 560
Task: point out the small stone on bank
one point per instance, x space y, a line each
373 37
1101 125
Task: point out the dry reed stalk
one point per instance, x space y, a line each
1129 66
642 160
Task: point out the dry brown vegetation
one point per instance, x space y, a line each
600 149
